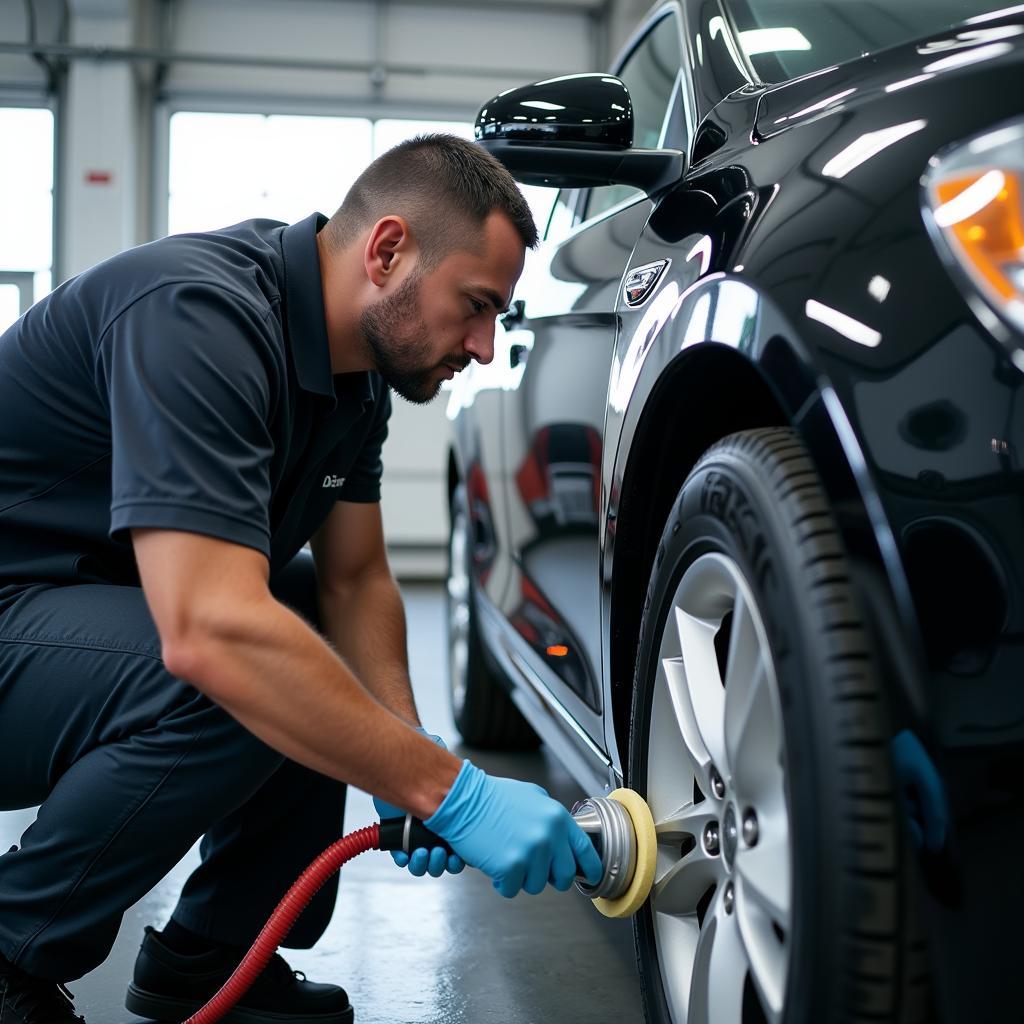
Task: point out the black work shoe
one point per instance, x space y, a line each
170 986
26 999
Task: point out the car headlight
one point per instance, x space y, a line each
974 210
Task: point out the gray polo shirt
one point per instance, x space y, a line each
185 384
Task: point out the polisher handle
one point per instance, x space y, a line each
408 834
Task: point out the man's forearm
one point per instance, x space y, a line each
273 673
365 621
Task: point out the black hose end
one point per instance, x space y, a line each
408 834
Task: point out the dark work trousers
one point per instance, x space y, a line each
131 765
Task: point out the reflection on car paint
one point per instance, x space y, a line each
844 324
536 621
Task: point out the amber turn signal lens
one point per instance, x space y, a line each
558 651
974 211
983 212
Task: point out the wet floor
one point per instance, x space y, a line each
422 950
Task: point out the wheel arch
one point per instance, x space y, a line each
706 393
682 418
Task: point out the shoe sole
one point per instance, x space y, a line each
165 1008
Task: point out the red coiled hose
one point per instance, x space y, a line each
281 920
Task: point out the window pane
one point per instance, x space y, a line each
561 220
225 168
10 302
27 132
214 152
541 200
26 236
650 75
42 284
26 183
787 38
312 162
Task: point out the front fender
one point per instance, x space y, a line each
698 364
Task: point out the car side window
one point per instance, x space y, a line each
651 74
562 217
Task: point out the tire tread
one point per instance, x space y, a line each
882 964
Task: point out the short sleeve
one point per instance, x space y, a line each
363 481
188 371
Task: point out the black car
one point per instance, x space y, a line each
738 508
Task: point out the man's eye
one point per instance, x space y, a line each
478 307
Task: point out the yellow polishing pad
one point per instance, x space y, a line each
639 889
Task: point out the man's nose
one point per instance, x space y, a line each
480 343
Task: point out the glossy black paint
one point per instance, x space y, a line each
917 436
592 109
573 132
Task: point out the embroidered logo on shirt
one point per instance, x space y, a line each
333 481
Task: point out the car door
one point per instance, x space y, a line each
553 407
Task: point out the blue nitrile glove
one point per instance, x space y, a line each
927 809
422 861
513 832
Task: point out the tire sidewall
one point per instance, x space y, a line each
726 506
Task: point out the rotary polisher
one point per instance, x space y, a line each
619 825
621 828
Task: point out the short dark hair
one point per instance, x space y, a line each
444 187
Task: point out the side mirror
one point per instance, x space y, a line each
573 132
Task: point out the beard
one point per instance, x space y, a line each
396 335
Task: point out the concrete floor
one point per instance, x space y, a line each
422 950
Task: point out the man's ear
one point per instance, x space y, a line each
389 242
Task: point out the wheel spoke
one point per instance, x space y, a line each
672 765
719 970
703 681
679 889
767 951
744 667
685 721
764 872
763 899
754 738
677 947
689 820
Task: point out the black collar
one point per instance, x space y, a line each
304 313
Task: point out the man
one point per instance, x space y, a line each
175 424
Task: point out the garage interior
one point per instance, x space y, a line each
141 117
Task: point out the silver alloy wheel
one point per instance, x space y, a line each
702 724
458 613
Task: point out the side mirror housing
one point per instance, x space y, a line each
573 132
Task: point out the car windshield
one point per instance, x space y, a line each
787 38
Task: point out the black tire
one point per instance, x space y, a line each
755 498
483 711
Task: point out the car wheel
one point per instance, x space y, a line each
759 738
483 711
